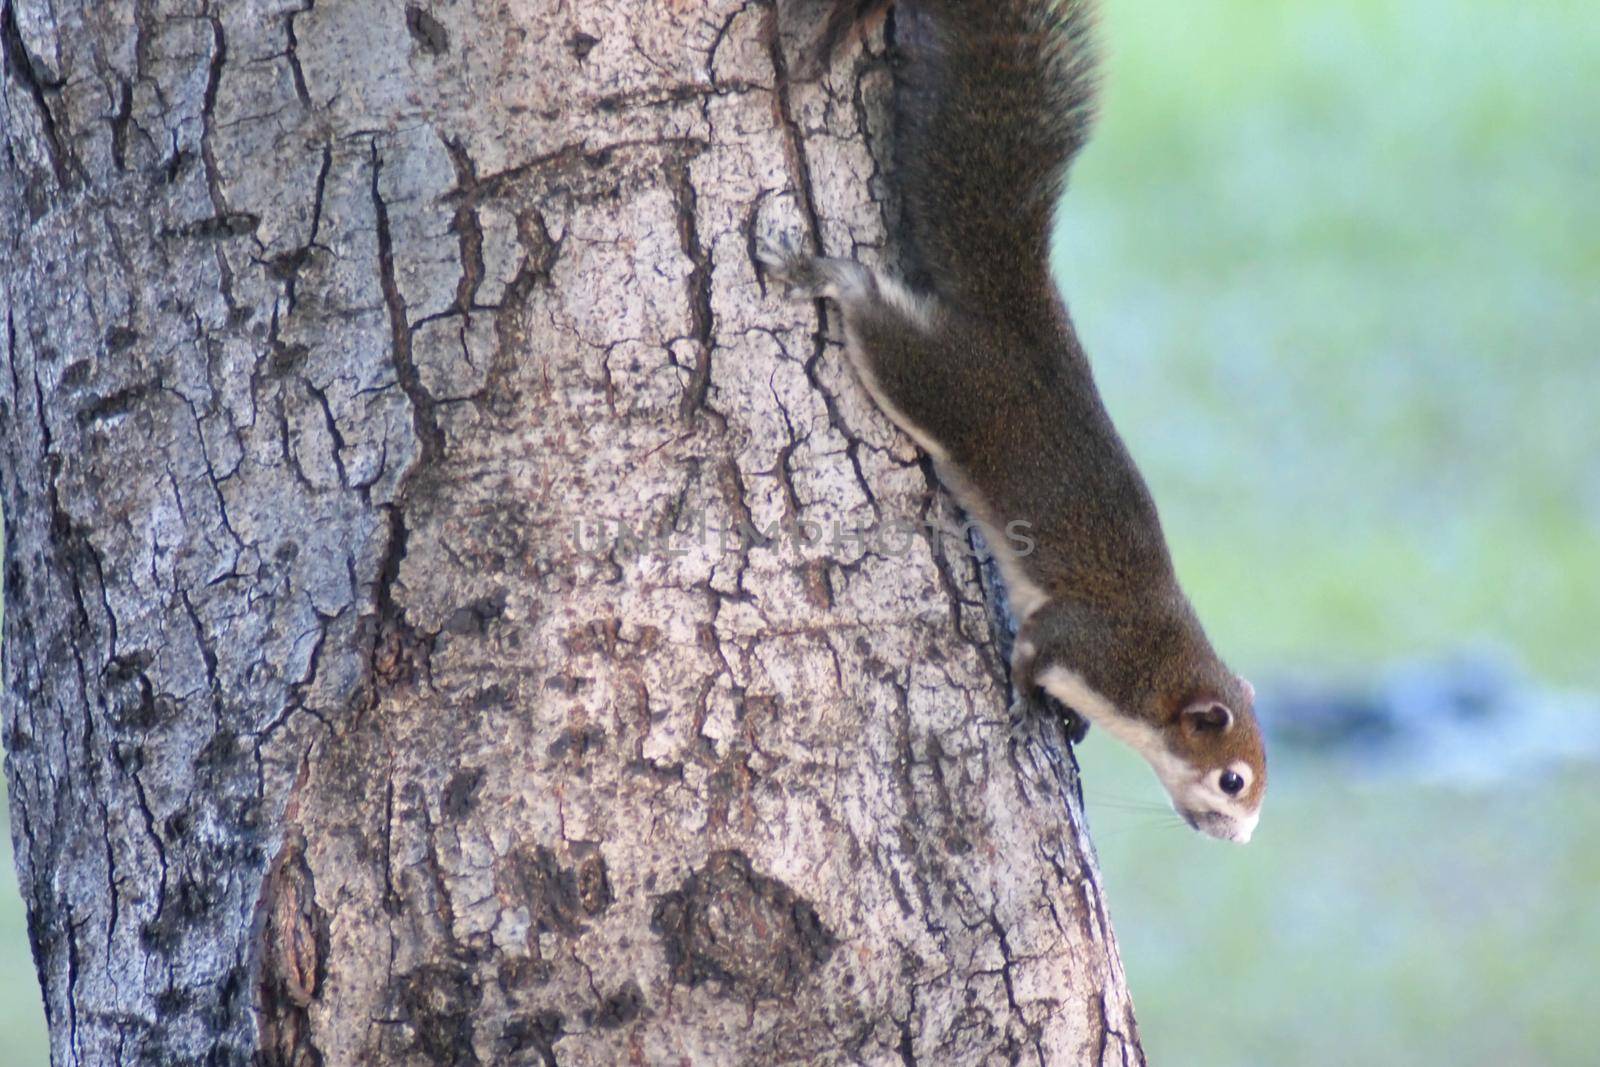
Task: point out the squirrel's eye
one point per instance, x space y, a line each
1231 783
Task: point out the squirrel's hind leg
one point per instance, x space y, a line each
859 290
890 332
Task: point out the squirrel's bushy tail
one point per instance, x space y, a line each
994 99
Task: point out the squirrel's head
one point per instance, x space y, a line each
1157 685
1209 755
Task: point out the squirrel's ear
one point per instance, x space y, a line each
1207 718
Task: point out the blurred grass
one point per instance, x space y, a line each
22 1034
23 1040
1378 922
1338 265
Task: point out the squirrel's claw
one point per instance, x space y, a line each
782 260
814 277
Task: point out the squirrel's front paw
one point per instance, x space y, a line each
1073 723
1076 726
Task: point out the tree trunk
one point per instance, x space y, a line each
360 361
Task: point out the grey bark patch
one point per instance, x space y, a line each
518 974
619 1009
118 339
558 899
577 742
474 618
439 1000
217 227
427 31
537 1032
749 934
460 792
594 887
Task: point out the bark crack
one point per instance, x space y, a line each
468 228
292 53
423 415
22 67
701 315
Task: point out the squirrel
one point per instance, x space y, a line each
974 356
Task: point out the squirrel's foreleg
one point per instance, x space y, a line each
1031 656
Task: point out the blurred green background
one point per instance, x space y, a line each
22 1040
1338 264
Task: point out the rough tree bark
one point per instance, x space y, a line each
339 729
